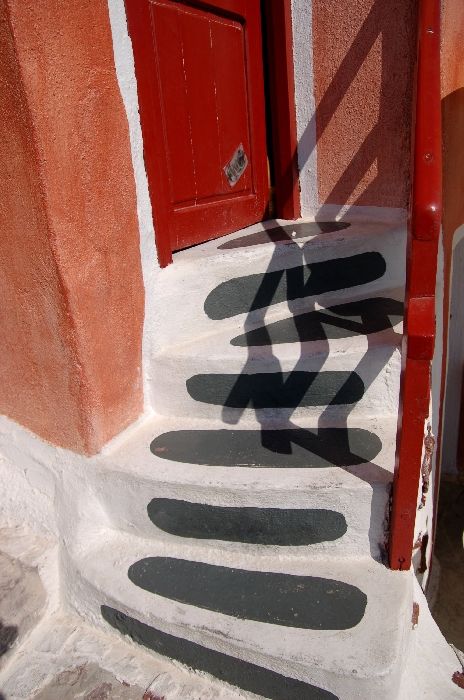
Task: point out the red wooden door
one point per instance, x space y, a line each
201 98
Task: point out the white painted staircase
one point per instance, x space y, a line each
241 531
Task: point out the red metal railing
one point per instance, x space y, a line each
424 231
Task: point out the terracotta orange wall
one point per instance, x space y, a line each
363 54
70 273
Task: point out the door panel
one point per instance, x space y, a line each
201 96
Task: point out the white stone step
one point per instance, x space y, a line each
180 302
356 652
193 462
335 329
259 242
187 385
206 524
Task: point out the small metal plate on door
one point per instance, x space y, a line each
236 166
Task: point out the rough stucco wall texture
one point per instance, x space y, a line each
72 291
364 55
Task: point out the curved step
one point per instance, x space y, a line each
365 658
282 449
210 381
339 470
305 602
185 289
250 677
362 317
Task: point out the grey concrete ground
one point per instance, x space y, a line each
22 599
22 602
88 682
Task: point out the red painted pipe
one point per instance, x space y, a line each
423 235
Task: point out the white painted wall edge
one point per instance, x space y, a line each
458 236
125 72
452 394
302 23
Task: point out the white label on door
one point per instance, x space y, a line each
236 166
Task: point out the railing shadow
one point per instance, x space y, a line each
280 433
377 24
395 105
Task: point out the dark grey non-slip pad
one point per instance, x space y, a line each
305 602
276 389
228 669
269 526
282 449
241 295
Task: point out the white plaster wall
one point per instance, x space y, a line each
125 72
455 356
28 488
302 21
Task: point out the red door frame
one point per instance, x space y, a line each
278 23
282 119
